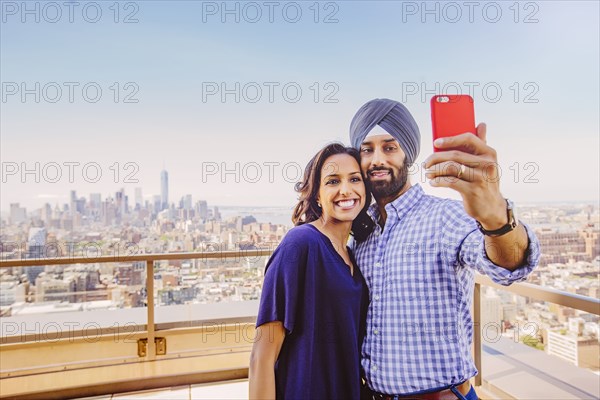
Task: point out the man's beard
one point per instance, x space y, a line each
383 189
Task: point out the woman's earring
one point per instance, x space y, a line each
318 204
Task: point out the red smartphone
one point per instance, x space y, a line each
451 115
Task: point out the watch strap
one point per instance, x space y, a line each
508 227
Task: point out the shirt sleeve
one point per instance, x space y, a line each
282 287
472 253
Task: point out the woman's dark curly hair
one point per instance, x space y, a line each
307 209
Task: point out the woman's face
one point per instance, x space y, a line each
342 190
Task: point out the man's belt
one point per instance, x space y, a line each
445 394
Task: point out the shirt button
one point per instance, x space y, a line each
378 264
374 367
377 297
376 332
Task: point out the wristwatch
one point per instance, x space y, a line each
512 223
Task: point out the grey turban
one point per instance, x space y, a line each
394 118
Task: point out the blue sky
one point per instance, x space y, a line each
375 49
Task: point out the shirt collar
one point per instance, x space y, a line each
401 205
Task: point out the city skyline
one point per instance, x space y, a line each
138 198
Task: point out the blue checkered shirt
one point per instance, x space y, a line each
420 273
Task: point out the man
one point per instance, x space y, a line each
420 260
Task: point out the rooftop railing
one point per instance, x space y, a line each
140 359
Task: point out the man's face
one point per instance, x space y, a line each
382 162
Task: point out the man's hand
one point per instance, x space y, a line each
469 166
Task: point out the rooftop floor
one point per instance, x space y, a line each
231 390
511 370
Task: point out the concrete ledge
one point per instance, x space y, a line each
127 378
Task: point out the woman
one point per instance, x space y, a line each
314 299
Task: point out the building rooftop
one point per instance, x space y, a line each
526 373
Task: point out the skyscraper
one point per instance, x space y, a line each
187 202
73 202
156 204
95 200
36 249
202 208
17 214
47 214
120 204
164 189
139 200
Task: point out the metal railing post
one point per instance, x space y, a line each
151 349
477 332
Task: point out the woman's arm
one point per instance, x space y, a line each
266 348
